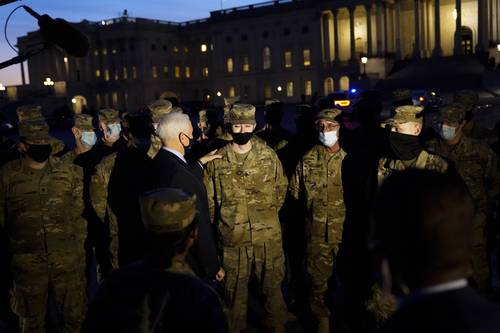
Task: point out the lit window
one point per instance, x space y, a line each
328 86
232 92
125 73
165 71
187 72
268 91
289 89
104 51
116 76
106 74
308 88
114 100
205 71
204 48
134 72
176 49
98 100
154 72
186 49
288 59
96 52
266 54
229 64
177 72
307 58
113 51
246 64
97 73
125 99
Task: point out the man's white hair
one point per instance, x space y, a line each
172 124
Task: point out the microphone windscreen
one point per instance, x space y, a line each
64 35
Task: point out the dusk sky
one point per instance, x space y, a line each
95 10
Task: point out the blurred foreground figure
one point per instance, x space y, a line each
160 293
422 226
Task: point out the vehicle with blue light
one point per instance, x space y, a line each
343 100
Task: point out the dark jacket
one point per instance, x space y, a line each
170 171
457 311
141 298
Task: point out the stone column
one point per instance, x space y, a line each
398 30
336 33
368 9
386 34
326 39
416 48
353 38
482 29
379 28
458 28
438 51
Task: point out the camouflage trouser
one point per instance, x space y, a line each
267 261
320 261
479 256
381 304
37 276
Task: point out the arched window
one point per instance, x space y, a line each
328 86
344 83
266 57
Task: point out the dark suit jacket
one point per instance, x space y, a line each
457 311
170 171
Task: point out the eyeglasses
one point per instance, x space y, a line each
328 127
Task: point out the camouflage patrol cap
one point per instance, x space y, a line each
167 210
84 122
242 114
453 113
401 94
467 97
405 114
202 115
34 132
159 108
329 114
109 116
228 101
29 112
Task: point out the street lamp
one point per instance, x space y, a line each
498 47
364 61
279 88
48 82
219 94
73 100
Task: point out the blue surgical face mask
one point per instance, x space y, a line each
88 138
114 130
328 139
448 132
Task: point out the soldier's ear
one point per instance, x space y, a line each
22 147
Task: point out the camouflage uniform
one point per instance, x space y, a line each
478 167
317 182
245 197
40 211
381 304
158 109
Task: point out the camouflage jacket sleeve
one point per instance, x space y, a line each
281 182
295 181
99 186
209 180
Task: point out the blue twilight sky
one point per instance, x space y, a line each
95 10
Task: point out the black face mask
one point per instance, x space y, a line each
39 153
404 146
242 138
189 146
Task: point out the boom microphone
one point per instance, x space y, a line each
61 33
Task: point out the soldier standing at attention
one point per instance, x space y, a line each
476 163
246 189
406 152
317 183
40 209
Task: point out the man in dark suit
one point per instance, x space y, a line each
422 222
170 169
